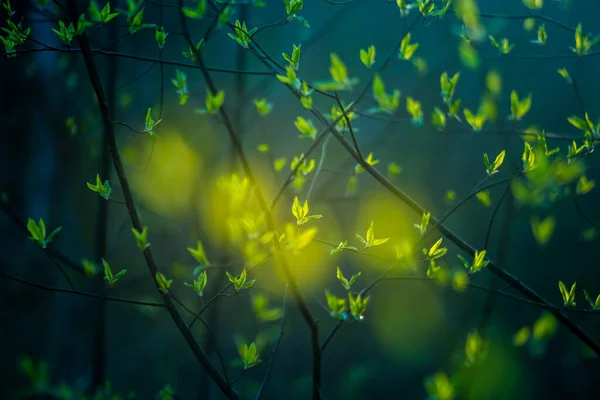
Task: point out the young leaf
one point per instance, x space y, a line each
542 229
199 254
141 238
249 355
199 284
163 283
370 240
367 57
103 189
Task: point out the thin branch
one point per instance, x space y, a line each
83 294
275 347
132 210
460 243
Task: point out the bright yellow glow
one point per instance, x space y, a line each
167 186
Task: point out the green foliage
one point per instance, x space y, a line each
249 355
367 57
492 168
166 393
301 212
103 16
337 305
240 282
150 124
263 107
503 46
583 43
292 8
199 254
414 109
542 229
38 233
518 108
160 36
595 304
346 283
476 121
369 159
108 275
260 305
65 33
568 296
479 262
533 4
242 36
213 102
135 16
542 36
197 48
339 74
163 283
290 77
196 13
306 128
357 305
435 251
103 189
141 238
387 103
294 58
180 83
422 227
199 283
475 348
407 49
369 240
342 246
440 387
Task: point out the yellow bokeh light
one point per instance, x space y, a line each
167 185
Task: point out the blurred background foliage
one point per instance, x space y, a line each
52 144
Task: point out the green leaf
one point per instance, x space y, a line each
263 107
414 109
407 50
367 57
160 36
305 127
337 306
567 295
565 74
422 227
476 121
141 238
584 185
435 251
249 355
163 283
357 305
370 240
542 229
346 283
199 284
108 275
240 282
103 189
522 336
533 4
38 233
199 254
518 108
491 169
